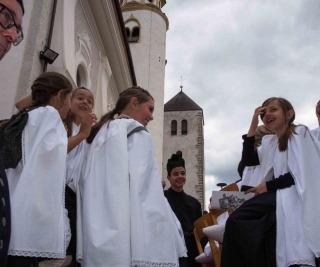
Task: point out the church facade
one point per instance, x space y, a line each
106 46
90 39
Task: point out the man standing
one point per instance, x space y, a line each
186 208
11 12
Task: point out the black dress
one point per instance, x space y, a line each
188 210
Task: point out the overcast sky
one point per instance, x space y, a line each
234 54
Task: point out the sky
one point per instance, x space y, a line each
234 54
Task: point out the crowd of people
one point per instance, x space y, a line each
60 169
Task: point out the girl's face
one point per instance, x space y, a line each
275 118
81 103
143 112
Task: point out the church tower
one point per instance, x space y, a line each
183 131
146 26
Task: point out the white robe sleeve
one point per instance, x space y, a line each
39 223
304 163
124 218
152 238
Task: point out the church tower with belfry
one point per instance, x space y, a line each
146 26
183 132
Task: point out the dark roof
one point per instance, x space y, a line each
181 102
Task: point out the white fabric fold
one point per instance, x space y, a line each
316 132
125 218
75 159
39 224
298 220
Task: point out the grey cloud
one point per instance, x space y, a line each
235 54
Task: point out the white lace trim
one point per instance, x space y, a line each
23 159
37 254
67 229
302 263
182 254
143 263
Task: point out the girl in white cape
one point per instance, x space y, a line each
35 142
126 220
290 188
78 123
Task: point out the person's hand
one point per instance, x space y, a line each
258 112
261 188
255 120
86 124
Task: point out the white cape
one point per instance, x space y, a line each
316 132
39 221
125 218
298 220
75 160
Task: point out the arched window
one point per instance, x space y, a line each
174 127
81 76
184 127
135 34
128 33
132 29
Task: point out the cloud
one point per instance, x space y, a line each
235 54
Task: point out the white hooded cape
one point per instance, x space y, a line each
39 223
298 209
125 218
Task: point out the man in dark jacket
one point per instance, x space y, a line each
11 12
186 208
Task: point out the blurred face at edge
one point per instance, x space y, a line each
9 36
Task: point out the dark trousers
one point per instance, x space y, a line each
71 206
5 213
14 261
192 251
250 235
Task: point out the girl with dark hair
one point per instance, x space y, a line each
78 123
35 149
289 157
125 220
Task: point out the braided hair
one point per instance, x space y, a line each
142 96
43 88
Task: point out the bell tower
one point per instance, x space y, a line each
146 26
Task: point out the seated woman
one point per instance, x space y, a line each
292 156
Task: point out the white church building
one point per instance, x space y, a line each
104 45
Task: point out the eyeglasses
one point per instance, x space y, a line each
7 21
